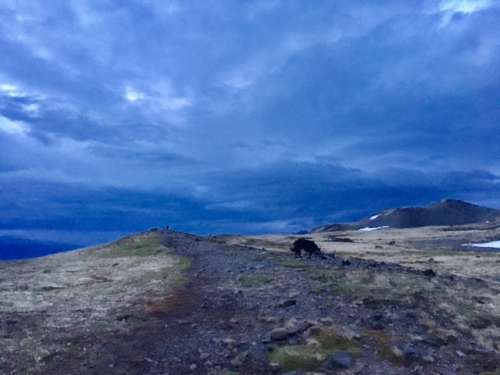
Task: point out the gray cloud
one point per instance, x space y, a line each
250 116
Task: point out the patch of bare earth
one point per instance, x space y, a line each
56 305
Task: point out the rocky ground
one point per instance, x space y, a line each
172 303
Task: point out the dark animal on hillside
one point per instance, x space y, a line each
308 246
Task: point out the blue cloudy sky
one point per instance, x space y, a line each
242 116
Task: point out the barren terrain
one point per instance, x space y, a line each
388 302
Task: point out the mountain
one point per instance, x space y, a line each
446 212
21 248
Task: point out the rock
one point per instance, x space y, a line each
228 341
239 359
193 367
348 333
293 294
326 321
379 326
377 317
287 302
204 356
340 360
292 327
397 352
428 358
268 319
346 262
236 362
278 334
313 331
429 272
275 367
312 342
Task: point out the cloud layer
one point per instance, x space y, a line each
243 116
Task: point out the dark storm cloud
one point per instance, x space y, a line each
243 116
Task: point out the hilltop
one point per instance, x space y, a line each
446 212
163 302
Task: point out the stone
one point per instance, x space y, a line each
397 352
268 319
312 342
326 321
279 334
429 272
293 294
204 356
428 358
228 341
287 302
340 360
275 367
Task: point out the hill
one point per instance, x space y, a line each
446 212
164 302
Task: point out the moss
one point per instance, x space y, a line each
254 281
331 341
322 276
384 344
302 357
293 263
137 246
297 357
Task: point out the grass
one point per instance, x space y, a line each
138 246
297 357
332 342
254 281
309 358
294 263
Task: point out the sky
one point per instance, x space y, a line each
222 116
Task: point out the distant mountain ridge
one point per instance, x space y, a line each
21 248
445 212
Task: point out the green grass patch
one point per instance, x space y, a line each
293 263
311 358
137 246
254 281
297 357
332 342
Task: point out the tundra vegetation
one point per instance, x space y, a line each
390 301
